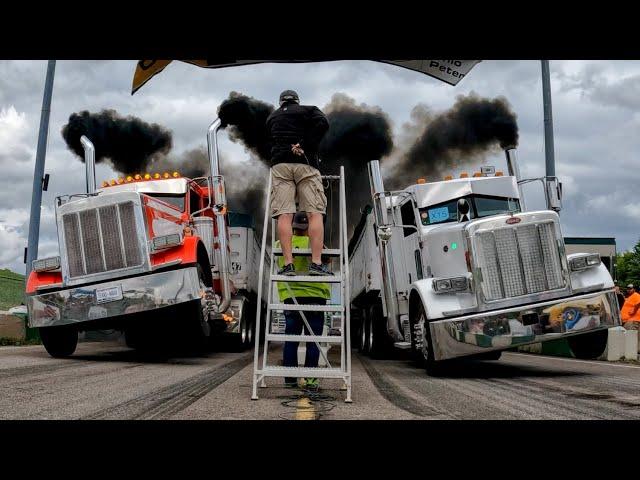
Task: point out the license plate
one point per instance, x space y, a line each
110 294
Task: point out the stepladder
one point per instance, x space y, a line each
265 361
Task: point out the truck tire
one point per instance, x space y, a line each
589 346
379 342
197 328
421 344
363 333
60 342
239 342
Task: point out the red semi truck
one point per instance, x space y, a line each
146 254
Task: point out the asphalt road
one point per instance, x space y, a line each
106 380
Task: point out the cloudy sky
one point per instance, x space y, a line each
596 113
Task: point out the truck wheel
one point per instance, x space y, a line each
196 325
239 342
379 341
589 346
59 342
363 333
421 345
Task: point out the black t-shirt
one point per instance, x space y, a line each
291 124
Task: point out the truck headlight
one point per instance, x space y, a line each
46 264
454 284
584 261
166 241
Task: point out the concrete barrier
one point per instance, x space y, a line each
631 345
12 326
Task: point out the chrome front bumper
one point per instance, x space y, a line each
139 294
539 322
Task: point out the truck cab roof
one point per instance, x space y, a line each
176 186
438 192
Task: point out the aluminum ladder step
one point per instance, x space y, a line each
318 372
307 278
328 252
279 337
305 308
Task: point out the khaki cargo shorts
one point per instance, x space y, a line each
291 181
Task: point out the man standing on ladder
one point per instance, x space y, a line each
306 293
295 132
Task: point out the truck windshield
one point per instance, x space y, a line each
175 200
481 206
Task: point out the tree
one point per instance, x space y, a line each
628 266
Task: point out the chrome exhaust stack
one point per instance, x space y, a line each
514 171
384 233
221 254
90 162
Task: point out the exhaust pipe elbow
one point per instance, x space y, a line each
90 162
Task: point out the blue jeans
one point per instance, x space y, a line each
295 326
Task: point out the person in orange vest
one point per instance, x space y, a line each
630 310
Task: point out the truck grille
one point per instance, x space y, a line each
518 261
101 239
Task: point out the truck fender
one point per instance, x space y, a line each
42 280
436 304
192 251
590 278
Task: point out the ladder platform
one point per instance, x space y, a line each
318 372
305 308
279 337
328 252
307 278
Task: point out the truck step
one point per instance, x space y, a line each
305 308
307 278
275 337
329 252
318 372
402 345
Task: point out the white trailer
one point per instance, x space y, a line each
245 263
459 268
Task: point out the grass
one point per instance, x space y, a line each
11 289
5 342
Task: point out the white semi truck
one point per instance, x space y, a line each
459 268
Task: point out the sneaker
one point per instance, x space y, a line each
311 384
321 269
290 382
288 270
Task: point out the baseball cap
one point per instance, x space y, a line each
300 221
630 285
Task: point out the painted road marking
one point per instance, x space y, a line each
305 409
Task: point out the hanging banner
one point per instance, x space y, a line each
449 71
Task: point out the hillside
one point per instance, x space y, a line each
11 289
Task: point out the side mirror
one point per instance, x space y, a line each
554 194
463 210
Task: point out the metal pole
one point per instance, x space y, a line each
550 160
38 172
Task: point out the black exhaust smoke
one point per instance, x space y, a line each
472 128
128 143
429 145
357 134
246 118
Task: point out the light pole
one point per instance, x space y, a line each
550 161
38 172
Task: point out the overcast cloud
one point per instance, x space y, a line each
596 106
